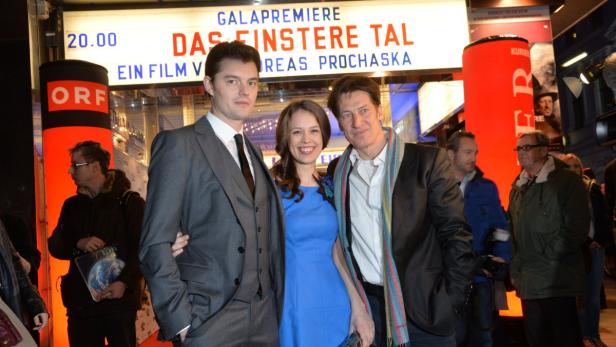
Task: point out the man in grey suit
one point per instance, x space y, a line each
209 182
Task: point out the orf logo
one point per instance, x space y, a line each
77 96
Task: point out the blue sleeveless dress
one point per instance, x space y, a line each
316 309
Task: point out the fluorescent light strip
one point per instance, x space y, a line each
575 59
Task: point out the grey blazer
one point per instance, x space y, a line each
191 189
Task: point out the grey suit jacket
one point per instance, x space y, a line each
191 189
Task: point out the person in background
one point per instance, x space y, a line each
16 290
550 218
401 224
321 304
599 236
29 256
491 241
102 213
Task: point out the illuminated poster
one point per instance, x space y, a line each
533 24
148 46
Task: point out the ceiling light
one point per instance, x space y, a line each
575 59
559 8
591 73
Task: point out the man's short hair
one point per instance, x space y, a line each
540 137
230 50
92 151
348 84
454 141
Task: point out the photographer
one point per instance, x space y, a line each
491 241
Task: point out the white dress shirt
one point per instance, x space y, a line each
365 199
225 133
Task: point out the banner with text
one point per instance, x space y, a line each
170 45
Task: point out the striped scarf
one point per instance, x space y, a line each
397 332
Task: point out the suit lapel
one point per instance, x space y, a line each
217 155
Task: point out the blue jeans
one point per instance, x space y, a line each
474 327
588 314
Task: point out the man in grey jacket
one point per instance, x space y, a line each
549 211
208 181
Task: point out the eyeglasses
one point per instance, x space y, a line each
527 148
74 166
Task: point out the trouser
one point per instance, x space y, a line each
417 336
118 328
474 327
239 323
589 312
551 322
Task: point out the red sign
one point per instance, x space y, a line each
77 95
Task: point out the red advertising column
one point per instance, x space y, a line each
75 108
498 106
498 103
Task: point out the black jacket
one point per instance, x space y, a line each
431 240
600 214
119 225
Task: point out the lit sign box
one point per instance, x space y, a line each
149 46
438 101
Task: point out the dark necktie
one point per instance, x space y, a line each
239 142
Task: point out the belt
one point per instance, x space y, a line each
373 289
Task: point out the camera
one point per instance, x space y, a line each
486 262
498 270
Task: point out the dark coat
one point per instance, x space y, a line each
600 214
550 220
431 240
16 289
105 217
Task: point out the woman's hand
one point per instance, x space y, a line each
181 240
363 324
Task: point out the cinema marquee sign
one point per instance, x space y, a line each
149 46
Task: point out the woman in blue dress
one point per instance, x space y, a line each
321 306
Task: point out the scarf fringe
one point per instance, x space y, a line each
390 343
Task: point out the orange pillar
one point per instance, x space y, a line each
75 108
498 106
498 103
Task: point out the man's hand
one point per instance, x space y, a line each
40 321
25 264
363 324
90 244
181 240
114 291
487 273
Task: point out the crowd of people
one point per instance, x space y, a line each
399 244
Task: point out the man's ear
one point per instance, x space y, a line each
379 113
208 85
451 154
96 166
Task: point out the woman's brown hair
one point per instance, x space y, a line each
284 171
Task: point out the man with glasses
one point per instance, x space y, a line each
102 213
549 213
